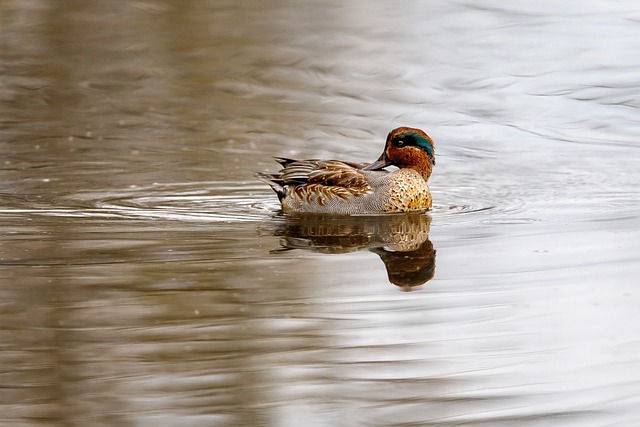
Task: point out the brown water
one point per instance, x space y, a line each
146 278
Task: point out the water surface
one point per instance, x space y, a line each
147 278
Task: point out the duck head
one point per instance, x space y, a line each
407 148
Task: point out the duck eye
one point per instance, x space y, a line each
401 141
404 140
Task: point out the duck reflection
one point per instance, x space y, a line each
401 241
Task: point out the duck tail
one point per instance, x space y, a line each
274 182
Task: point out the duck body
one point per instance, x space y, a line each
347 188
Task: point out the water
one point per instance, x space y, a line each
147 278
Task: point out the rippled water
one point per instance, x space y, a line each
147 278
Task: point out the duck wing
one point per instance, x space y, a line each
335 173
318 179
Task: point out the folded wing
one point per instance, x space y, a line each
318 180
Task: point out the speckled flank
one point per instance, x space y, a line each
407 192
403 190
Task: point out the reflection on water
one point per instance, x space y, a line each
401 241
146 279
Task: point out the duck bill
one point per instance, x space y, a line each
381 163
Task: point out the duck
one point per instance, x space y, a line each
349 188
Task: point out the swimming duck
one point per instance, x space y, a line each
348 188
